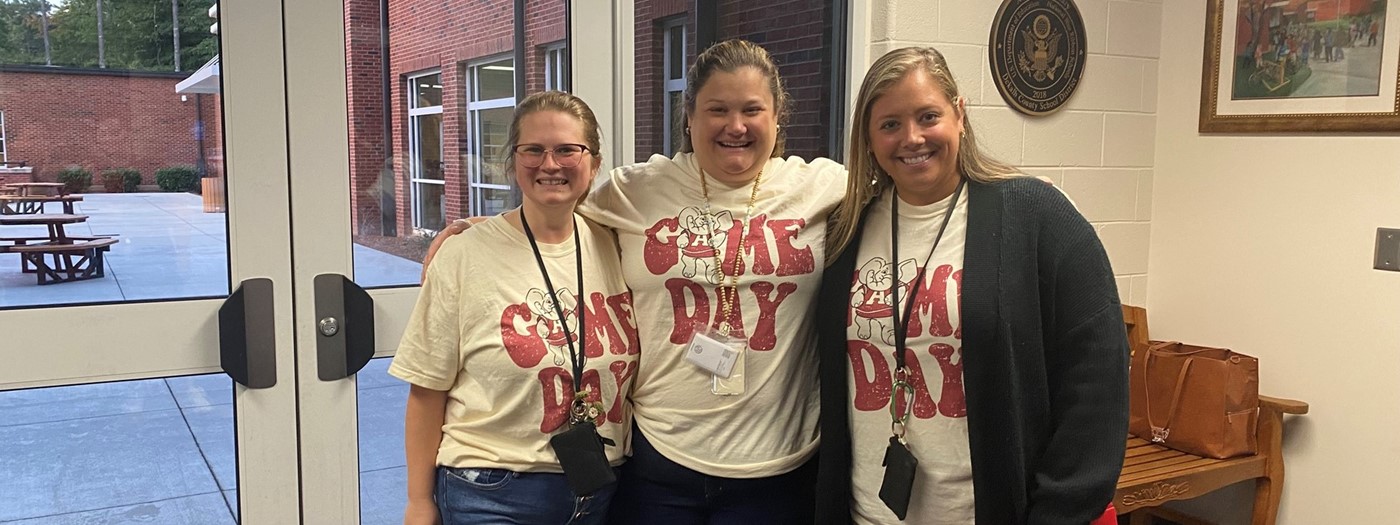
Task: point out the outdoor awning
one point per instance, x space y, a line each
206 80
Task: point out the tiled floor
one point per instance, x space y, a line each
161 451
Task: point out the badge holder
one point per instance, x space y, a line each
723 356
580 450
897 486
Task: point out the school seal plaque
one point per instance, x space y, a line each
1037 53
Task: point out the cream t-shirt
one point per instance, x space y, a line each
658 211
937 429
485 331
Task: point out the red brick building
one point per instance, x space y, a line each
451 88
426 127
54 118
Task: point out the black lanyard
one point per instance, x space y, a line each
901 319
576 355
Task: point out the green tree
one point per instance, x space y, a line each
138 34
22 32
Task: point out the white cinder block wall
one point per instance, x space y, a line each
1099 148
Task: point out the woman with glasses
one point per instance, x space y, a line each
522 347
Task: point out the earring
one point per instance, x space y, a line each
962 134
687 131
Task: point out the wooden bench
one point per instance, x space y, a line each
28 204
1153 474
76 259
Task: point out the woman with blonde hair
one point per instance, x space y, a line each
973 356
522 347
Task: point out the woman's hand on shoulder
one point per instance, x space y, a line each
420 512
454 228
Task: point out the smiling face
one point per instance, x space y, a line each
550 185
914 132
734 125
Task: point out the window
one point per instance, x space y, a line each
556 68
490 103
674 85
4 151
425 165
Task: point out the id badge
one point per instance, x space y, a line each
720 355
898 485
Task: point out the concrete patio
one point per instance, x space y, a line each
162 450
169 248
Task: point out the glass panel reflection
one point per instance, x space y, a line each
495 126
429 146
162 449
496 80
429 90
111 188
430 206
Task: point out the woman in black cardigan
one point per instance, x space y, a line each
1010 402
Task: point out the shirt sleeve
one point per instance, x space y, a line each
429 355
610 204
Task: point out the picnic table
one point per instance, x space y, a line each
57 257
27 204
25 189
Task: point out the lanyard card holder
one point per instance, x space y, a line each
722 356
580 451
898 485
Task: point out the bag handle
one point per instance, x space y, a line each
1159 434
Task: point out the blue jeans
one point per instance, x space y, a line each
489 496
656 490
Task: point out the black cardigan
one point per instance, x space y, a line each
1045 362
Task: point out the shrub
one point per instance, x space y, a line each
177 178
75 179
121 180
130 180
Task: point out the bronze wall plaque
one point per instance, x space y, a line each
1037 53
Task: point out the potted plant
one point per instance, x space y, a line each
120 180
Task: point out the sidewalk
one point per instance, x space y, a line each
161 451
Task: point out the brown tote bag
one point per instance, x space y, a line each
1204 401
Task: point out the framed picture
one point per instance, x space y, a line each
1301 66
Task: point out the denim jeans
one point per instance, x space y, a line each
489 496
655 490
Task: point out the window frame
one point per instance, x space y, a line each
476 187
4 146
415 112
556 68
669 85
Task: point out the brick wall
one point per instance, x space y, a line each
649 62
792 30
443 36
101 120
365 91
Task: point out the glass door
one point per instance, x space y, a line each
396 112
365 87
143 215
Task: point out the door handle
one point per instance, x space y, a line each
344 327
247 340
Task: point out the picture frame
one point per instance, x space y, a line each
1319 66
